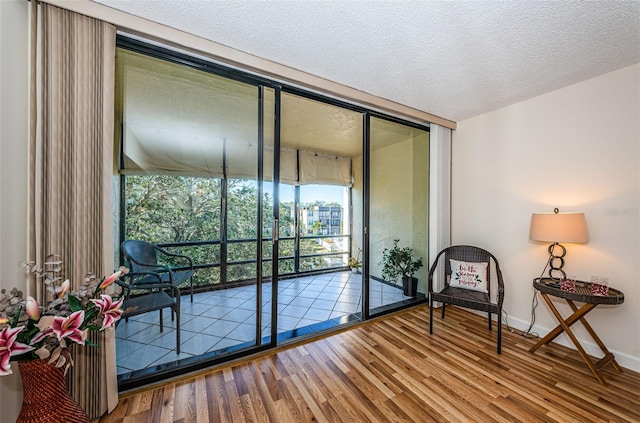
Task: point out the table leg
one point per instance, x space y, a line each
564 327
608 356
577 315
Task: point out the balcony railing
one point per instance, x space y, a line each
239 270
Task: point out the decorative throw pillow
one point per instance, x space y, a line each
469 275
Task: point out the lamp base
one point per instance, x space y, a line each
556 261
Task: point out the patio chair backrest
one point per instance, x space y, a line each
141 255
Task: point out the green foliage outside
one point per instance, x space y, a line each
169 209
316 227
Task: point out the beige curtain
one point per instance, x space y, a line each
71 168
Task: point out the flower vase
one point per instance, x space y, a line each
45 394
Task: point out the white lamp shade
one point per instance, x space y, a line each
558 227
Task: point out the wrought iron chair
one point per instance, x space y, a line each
150 297
462 297
143 258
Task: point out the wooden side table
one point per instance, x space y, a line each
546 287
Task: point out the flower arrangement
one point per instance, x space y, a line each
29 330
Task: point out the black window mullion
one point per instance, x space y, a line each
260 212
276 217
224 206
366 156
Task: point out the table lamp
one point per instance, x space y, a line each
558 227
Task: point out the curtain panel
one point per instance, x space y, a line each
181 155
71 170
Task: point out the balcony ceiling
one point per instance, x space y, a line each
452 59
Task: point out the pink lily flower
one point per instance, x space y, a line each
33 309
9 347
69 327
110 280
109 310
64 288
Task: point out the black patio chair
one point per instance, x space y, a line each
463 297
143 257
150 297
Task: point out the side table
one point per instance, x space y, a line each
546 287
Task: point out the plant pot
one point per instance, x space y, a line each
45 394
355 270
409 286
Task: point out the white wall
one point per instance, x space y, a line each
391 199
578 149
13 169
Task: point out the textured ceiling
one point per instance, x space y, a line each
453 59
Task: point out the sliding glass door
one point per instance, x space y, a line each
398 213
320 166
288 203
197 150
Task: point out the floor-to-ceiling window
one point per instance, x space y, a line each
265 187
398 211
192 164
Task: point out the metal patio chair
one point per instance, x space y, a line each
143 257
150 297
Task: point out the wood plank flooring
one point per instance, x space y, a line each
392 370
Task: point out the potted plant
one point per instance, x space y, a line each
354 262
399 262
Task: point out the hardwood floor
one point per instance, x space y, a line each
392 370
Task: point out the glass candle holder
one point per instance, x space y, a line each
568 283
599 285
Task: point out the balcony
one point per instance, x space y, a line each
225 318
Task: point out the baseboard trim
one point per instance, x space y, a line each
624 360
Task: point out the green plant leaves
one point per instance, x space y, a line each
74 303
398 262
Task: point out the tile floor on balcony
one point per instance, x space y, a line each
224 318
